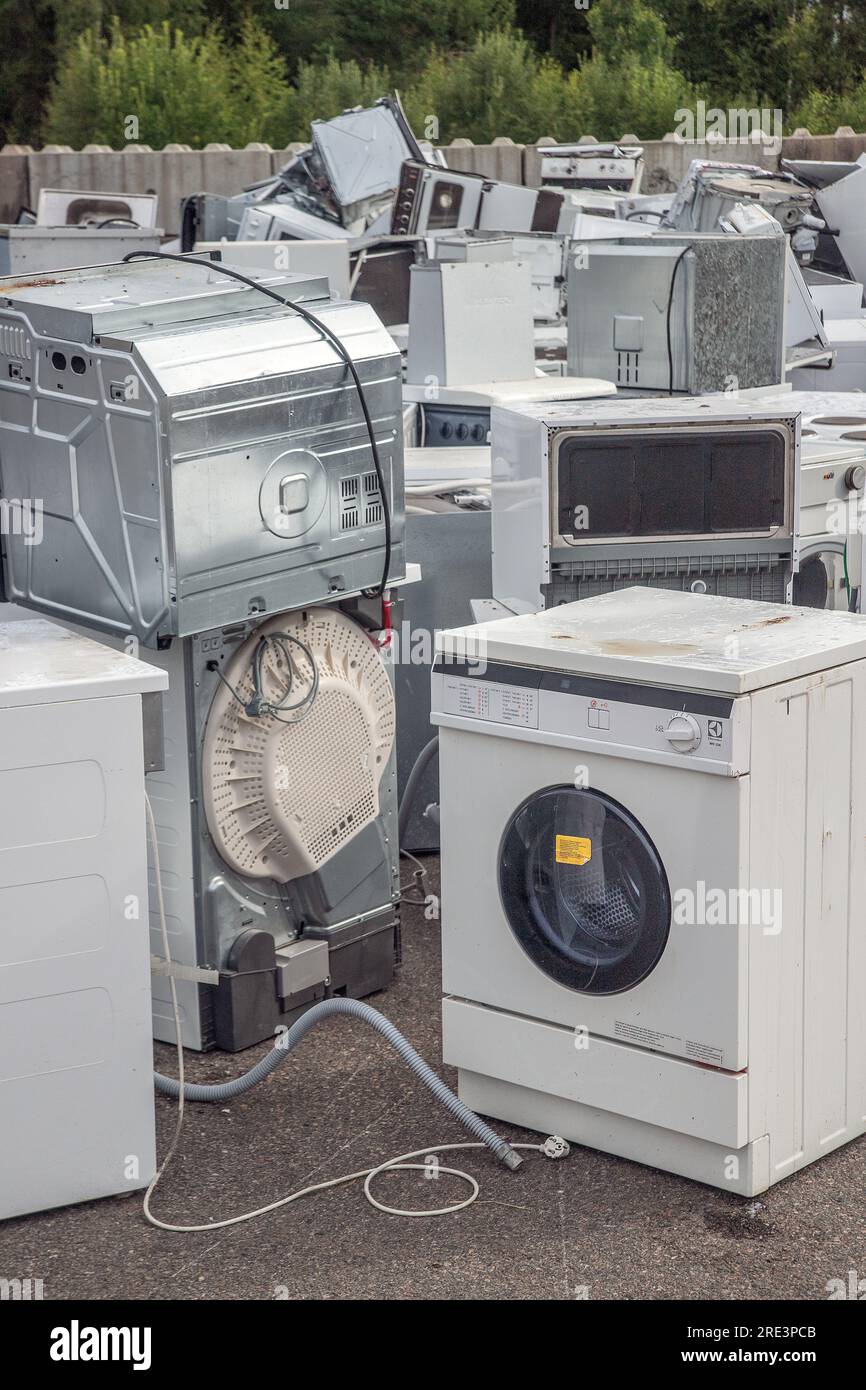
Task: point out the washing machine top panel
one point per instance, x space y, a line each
692 641
41 663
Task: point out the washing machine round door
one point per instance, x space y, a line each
584 890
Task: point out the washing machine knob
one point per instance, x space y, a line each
683 733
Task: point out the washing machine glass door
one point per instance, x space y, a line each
584 890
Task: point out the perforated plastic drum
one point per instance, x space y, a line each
284 791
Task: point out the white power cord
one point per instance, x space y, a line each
166 951
553 1148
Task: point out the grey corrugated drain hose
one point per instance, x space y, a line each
229 1090
419 767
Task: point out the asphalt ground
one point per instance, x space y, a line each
591 1226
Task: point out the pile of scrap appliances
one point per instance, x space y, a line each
375 444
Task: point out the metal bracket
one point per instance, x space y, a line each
199 975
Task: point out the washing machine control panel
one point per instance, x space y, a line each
672 725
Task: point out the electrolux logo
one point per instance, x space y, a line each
77 1343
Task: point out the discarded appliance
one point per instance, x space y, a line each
641 958
373 269
273 221
341 185
316 258
30 249
381 274
689 494
63 207
817 173
448 535
357 158
471 341
710 190
832 525
277 818
476 309
431 200
214 217
846 342
210 489
592 167
833 415
77 228
545 252
76 1059
208 460
833 296
805 339
672 313
842 203
832 501
457 416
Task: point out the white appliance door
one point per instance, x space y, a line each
596 892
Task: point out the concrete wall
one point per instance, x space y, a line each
172 173
178 170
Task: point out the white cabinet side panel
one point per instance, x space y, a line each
807 1053
76 1059
519 509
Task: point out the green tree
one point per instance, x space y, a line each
35 35
156 86
500 86
610 99
397 34
556 28
629 84
824 48
775 49
401 33
263 106
822 112
620 27
325 89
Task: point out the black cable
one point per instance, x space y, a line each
670 306
338 347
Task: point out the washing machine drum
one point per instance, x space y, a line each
584 890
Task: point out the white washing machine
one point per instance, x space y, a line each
654 875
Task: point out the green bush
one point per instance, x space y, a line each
823 112
620 27
498 87
629 84
609 99
155 87
159 86
208 87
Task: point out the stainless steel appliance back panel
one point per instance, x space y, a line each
197 453
722 296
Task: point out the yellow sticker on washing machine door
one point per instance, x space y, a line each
573 849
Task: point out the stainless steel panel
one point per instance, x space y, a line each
158 453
